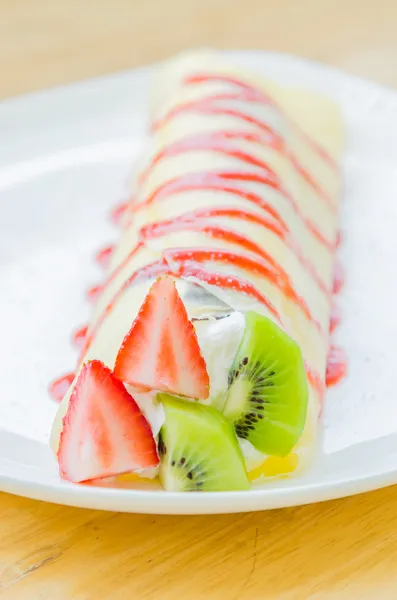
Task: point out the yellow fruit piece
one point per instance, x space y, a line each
275 467
133 478
129 477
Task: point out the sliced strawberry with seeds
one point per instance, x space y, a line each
104 432
161 350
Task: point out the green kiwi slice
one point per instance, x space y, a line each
199 450
267 390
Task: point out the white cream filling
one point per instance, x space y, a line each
151 408
219 340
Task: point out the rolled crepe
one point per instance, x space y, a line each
236 196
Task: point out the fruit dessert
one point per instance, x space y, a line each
203 366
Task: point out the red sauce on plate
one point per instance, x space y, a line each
336 366
336 317
94 292
60 386
79 336
339 277
104 255
118 212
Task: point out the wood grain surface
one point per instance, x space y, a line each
345 549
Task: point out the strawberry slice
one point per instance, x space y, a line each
161 350
104 433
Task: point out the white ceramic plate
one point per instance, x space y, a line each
65 155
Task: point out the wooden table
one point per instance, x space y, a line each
346 549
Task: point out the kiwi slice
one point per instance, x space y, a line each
267 390
199 450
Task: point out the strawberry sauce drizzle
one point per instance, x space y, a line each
198 221
337 360
94 292
118 212
336 366
339 277
249 93
315 381
207 106
201 214
213 142
225 181
336 317
267 267
221 233
116 271
197 256
184 269
79 337
104 256
227 281
220 142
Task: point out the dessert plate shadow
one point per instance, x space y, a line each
64 163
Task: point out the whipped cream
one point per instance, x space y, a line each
219 339
151 408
